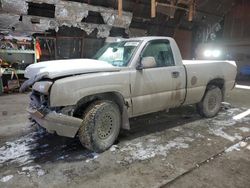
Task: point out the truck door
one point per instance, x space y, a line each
160 87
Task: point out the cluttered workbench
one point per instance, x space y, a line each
16 53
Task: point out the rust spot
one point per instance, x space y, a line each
178 92
177 95
193 80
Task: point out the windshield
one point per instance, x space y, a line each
117 53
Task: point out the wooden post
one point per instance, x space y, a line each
172 9
153 8
119 8
191 11
34 43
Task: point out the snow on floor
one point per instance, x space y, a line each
244 129
94 156
242 87
18 151
221 133
40 146
31 170
236 147
242 115
149 148
225 119
6 178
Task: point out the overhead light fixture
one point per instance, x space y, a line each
207 53
216 53
212 53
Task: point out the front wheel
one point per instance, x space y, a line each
211 102
101 125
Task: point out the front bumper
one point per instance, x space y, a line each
52 121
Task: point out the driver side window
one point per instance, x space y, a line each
161 51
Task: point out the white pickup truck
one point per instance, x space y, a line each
94 98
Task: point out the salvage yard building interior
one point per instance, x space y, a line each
188 146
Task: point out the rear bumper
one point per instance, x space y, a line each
63 125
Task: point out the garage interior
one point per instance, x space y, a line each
174 149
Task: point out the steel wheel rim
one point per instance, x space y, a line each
106 125
212 101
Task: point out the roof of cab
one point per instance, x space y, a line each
148 38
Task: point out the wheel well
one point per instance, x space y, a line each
83 103
216 82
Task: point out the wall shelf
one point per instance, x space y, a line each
17 51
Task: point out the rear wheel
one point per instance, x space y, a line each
211 102
101 125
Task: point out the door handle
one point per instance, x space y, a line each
175 74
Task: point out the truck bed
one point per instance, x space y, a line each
200 72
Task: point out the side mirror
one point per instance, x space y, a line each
147 62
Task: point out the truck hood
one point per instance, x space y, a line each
61 68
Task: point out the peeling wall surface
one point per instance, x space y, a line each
7 20
66 14
71 11
17 7
43 1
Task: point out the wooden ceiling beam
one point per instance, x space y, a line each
173 7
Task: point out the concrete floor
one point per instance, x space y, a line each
175 149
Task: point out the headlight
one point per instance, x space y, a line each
42 87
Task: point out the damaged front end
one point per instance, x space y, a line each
54 119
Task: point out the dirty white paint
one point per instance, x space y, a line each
242 87
6 178
58 68
242 115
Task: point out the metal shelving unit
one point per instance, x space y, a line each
27 56
17 51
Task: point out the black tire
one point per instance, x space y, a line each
211 102
101 125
